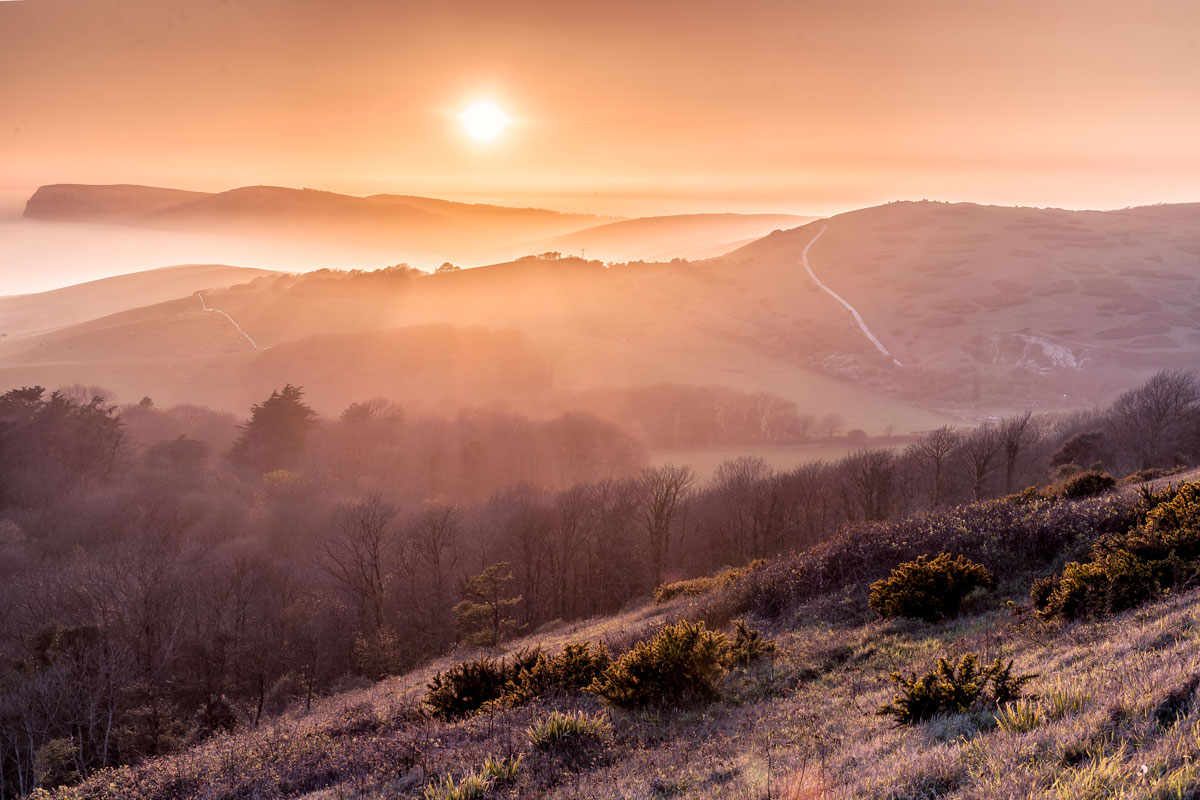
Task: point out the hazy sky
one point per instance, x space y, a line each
618 106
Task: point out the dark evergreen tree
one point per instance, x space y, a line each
274 436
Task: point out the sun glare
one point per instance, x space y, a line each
484 121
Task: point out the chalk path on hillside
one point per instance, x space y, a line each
853 311
204 305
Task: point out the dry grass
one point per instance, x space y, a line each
1114 712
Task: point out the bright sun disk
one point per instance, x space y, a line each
484 121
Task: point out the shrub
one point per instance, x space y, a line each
54 763
1130 568
1171 526
1148 474
466 687
704 585
953 689
1115 583
682 663
573 736
1084 484
928 589
572 670
748 645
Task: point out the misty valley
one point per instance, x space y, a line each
603 400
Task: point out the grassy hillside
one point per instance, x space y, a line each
23 315
592 326
987 303
1111 710
692 236
922 276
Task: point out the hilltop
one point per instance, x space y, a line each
691 236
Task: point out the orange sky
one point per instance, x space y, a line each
637 107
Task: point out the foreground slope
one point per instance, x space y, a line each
1114 708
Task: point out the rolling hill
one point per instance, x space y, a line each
590 326
690 236
989 305
404 222
22 315
981 309
420 230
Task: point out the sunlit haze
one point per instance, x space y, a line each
628 108
599 399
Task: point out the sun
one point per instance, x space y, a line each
484 121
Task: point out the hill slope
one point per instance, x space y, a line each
985 304
981 309
1113 708
21 315
691 236
417 223
591 326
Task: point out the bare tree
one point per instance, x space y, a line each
830 425
1156 413
566 540
932 452
871 475
748 508
981 452
661 493
1015 433
433 538
356 555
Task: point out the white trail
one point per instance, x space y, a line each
232 321
853 311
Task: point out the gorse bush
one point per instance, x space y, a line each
1126 570
1117 582
928 589
1083 484
572 670
699 586
683 663
748 645
529 675
953 689
466 687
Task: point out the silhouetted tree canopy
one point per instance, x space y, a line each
275 434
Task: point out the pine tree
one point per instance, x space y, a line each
485 613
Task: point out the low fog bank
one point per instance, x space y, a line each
39 256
